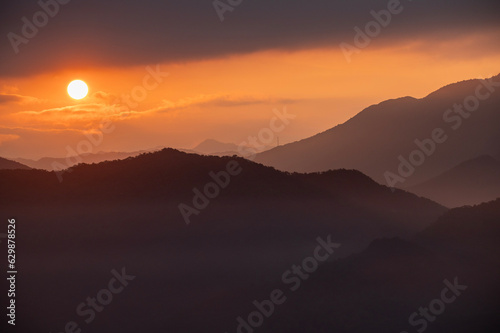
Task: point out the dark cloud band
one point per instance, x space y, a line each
121 33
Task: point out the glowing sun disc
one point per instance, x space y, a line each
77 89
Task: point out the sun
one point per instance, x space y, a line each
77 89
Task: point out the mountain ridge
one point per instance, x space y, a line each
338 200
471 182
372 140
6 164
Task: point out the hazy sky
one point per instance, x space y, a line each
224 77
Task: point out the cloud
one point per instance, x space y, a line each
223 101
36 142
5 98
231 101
15 98
126 33
80 115
8 137
107 106
104 98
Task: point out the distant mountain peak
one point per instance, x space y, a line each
450 90
380 137
215 147
6 164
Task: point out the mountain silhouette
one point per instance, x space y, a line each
373 140
6 164
345 196
58 163
379 289
469 183
396 249
344 201
214 147
472 230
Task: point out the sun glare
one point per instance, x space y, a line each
77 89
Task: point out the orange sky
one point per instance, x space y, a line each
227 99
